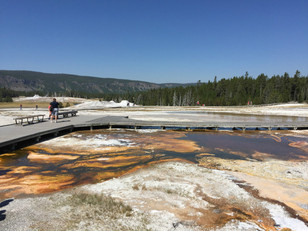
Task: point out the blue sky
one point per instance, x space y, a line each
158 41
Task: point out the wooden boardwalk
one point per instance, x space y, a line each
15 136
124 122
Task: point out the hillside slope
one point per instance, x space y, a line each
46 82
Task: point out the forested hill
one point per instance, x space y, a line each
71 85
227 92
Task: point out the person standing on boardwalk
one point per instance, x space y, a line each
50 111
54 109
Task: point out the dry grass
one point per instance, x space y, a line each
25 104
100 212
86 211
32 104
100 204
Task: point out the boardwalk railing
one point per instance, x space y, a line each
65 114
29 119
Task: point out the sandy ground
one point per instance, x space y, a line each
216 195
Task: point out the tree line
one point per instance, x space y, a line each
225 92
241 90
6 95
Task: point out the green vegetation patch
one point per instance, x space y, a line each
96 211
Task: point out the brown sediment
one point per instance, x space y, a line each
24 180
75 149
276 138
289 172
261 155
23 169
4 181
217 212
289 196
254 192
38 157
236 153
47 172
119 161
297 132
35 184
210 162
108 175
223 210
205 154
271 178
32 180
102 176
300 145
300 158
7 155
256 155
168 141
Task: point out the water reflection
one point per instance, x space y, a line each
251 145
89 157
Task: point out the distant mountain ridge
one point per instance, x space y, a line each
29 81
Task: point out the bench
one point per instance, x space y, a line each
29 119
65 114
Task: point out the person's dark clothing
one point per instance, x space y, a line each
54 104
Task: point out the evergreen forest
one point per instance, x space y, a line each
235 91
6 95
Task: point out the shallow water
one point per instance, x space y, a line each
239 145
231 117
89 157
